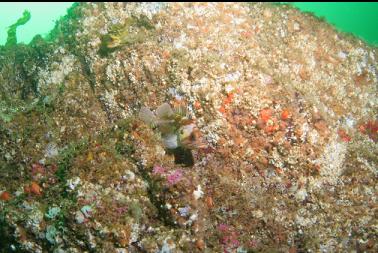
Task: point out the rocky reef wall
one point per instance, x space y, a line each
286 104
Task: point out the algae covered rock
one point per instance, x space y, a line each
285 105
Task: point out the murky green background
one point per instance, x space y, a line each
43 17
355 17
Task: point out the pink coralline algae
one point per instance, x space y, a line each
122 210
158 170
229 238
37 168
174 177
223 227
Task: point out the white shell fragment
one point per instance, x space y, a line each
198 193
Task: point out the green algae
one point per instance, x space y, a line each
12 36
67 156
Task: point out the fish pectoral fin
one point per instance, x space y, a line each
147 116
166 129
164 111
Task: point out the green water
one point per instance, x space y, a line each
358 18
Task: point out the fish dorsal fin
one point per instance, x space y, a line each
147 115
180 110
164 111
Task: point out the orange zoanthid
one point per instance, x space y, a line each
5 196
285 114
343 135
197 105
265 114
35 188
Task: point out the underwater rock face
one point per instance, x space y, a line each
286 105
